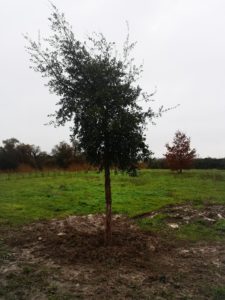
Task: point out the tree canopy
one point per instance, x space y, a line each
98 91
180 156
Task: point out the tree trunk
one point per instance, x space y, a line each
108 202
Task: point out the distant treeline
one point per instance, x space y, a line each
17 156
198 163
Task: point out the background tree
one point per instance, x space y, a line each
209 163
180 156
25 154
98 92
40 159
9 159
63 154
13 154
157 163
32 155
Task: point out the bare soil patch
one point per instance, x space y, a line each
67 259
185 214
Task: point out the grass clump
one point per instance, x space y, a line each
197 231
218 293
156 223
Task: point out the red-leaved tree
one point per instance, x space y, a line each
179 156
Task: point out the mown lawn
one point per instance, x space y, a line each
26 198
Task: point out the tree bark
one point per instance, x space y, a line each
108 203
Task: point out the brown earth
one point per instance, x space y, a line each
67 259
186 213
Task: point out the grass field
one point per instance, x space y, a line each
25 198
168 245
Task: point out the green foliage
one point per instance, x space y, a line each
13 153
209 163
15 156
8 154
63 154
198 163
97 91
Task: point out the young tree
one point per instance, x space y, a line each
179 156
98 92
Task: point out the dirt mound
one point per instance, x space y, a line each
184 214
81 239
67 259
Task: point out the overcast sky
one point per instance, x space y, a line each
182 45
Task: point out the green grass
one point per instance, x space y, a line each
27 198
218 293
156 223
193 231
197 231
